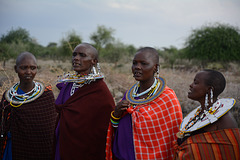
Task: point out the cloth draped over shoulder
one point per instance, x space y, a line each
83 121
215 145
154 125
31 126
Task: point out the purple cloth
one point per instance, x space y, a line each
65 90
123 147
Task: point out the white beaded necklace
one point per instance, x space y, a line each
14 93
135 94
194 120
14 98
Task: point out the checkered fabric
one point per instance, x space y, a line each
155 125
215 145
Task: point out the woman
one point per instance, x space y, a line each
144 124
27 115
84 105
209 131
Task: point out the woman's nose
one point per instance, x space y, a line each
137 66
28 70
191 85
76 57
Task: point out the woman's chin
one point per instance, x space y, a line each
189 95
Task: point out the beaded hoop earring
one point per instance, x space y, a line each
206 101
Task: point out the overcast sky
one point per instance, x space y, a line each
155 23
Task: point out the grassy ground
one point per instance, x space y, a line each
120 78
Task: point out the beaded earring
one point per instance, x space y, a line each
94 70
211 95
206 101
98 68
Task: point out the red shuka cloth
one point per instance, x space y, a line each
84 119
155 125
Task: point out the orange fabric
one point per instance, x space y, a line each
221 144
48 88
155 125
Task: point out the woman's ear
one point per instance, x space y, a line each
156 66
94 61
15 68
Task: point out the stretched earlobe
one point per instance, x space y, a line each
15 68
94 61
157 70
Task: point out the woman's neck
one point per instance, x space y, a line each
144 85
26 87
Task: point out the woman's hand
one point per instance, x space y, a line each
121 107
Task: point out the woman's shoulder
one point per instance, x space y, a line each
168 93
225 122
225 118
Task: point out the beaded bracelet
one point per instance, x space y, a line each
114 118
115 125
114 122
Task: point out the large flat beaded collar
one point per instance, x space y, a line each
132 100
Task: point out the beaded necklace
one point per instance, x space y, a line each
136 88
154 92
75 86
14 98
198 119
81 78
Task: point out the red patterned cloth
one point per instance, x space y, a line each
31 126
155 125
216 145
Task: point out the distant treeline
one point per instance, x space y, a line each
208 44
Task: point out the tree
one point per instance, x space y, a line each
116 52
17 41
102 37
169 55
13 43
11 50
18 35
69 43
131 50
51 51
214 43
